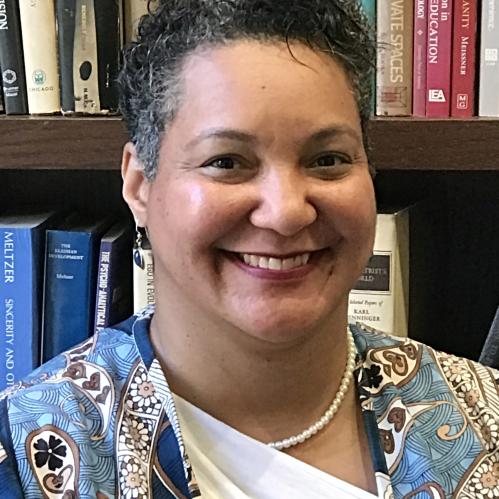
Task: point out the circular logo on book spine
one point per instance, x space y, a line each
9 76
39 77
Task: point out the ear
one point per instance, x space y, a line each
135 185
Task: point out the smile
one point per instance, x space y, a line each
274 263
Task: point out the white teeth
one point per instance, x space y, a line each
273 263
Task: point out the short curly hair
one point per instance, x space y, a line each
150 79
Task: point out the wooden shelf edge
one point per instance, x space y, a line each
95 143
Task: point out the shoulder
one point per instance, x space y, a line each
405 356
60 418
425 400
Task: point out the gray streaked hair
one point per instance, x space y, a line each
150 79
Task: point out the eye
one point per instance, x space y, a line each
330 160
223 163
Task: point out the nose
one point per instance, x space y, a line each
284 204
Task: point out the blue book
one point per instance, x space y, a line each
490 351
369 7
21 290
113 302
71 258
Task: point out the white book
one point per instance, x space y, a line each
395 28
380 298
40 55
134 10
489 60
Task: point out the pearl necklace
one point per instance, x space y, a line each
331 410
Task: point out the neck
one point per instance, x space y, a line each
265 390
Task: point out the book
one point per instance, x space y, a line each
394 58
488 102
134 10
438 59
380 298
38 30
21 287
369 7
419 58
71 259
143 275
489 355
464 58
113 302
89 44
11 59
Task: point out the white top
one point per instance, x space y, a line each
229 464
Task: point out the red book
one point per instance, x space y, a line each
438 58
419 60
464 58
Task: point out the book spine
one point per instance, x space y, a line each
438 58
394 62
143 281
109 45
104 291
369 7
19 287
40 55
11 59
419 62
380 297
65 15
464 58
489 60
69 291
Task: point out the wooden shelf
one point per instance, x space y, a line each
83 143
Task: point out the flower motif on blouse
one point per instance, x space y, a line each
374 378
49 451
485 482
142 394
471 397
133 482
136 435
489 430
456 370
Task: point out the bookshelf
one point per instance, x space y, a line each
74 163
397 143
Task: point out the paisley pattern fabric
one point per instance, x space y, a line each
99 421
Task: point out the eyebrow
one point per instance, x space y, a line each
320 135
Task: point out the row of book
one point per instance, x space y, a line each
64 55
64 278
436 58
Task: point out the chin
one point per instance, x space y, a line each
284 329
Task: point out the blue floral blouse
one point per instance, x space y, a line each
99 422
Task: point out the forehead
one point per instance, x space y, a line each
253 83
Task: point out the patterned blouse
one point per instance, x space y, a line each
99 421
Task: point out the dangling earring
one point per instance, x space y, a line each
138 251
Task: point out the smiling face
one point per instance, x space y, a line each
262 212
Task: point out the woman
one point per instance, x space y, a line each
247 165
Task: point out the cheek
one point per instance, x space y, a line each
196 212
357 222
